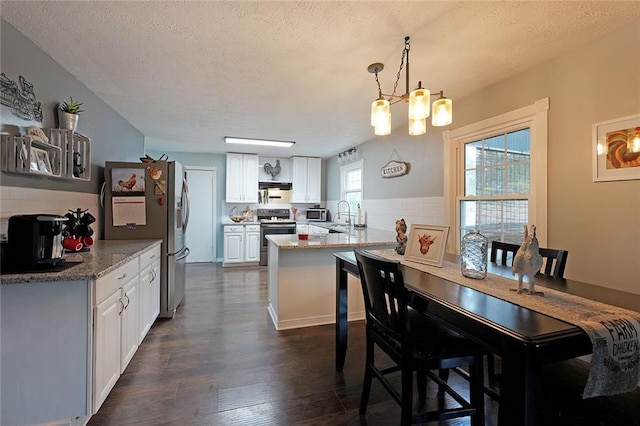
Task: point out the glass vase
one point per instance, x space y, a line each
473 255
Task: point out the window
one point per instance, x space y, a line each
500 176
495 197
351 184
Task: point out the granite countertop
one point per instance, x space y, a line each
227 221
355 238
104 256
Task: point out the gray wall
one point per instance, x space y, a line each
424 153
113 138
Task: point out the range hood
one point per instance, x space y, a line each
274 185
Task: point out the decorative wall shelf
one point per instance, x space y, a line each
67 155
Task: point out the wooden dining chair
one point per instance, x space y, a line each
553 264
415 344
553 260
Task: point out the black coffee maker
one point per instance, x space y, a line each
34 242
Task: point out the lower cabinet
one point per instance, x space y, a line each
116 328
129 322
127 302
241 244
252 243
149 291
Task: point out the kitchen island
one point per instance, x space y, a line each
68 333
301 276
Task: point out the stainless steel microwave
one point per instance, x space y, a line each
317 215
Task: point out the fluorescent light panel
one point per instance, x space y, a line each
263 142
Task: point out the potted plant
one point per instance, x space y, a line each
68 114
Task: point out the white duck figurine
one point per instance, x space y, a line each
528 261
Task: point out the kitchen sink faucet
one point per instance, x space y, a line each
348 211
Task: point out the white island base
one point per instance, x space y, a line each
302 281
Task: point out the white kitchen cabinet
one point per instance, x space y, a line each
233 244
241 244
306 179
72 359
149 290
129 317
154 302
107 348
116 327
252 243
242 178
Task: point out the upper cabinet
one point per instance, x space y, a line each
306 179
242 178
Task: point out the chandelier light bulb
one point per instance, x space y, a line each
417 126
383 126
442 112
419 100
379 112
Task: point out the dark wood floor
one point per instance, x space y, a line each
221 362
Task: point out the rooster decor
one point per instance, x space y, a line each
273 171
528 261
129 183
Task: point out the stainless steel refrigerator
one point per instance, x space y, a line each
151 201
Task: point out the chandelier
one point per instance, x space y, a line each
418 100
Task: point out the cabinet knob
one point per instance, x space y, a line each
123 276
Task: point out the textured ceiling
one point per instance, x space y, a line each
188 73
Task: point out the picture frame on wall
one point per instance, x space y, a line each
426 244
40 162
616 149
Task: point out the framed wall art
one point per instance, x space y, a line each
40 161
426 244
616 149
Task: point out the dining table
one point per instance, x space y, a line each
526 340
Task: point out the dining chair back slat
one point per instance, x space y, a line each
554 260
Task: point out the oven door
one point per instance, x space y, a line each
272 229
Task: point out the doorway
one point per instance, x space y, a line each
201 232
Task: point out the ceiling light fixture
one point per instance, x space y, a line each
262 142
418 100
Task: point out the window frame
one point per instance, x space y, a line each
343 174
535 117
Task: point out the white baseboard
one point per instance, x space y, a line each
309 321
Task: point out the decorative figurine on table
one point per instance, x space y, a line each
401 237
528 261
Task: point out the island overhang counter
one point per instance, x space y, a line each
301 276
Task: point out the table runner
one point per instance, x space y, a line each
614 331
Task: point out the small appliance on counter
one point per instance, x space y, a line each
34 242
317 214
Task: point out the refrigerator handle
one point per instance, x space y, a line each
186 253
102 190
185 190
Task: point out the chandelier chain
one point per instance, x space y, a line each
379 88
404 53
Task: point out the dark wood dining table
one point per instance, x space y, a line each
526 340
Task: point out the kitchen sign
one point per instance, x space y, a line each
395 168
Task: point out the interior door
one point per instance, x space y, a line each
201 235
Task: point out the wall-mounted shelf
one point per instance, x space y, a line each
76 161
66 156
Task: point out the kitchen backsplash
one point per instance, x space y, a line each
383 213
15 200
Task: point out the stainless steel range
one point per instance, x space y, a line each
273 221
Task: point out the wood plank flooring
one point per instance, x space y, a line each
221 362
